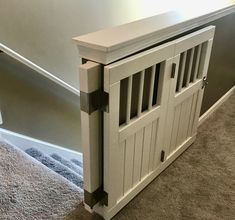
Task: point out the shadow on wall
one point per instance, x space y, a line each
30 107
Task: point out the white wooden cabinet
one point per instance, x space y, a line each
154 100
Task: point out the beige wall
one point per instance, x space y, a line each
41 30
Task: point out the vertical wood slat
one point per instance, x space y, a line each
151 88
120 187
190 66
141 90
175 128
205 57
129 162
187 117
146 150
129 94
153 144
192 114
164 84
139 137
181 123
90 75
112 153
182 69
198 55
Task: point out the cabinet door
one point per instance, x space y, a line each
138 89
152 113
192 54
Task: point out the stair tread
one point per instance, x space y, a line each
56 166
68 163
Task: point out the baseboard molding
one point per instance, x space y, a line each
24 142
214 107
38 69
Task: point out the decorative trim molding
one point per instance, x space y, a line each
214 107
38 69
109 45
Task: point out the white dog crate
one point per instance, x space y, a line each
139 113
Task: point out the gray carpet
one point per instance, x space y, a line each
57 166
200 184
30 191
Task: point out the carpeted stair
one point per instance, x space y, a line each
31 191
70 170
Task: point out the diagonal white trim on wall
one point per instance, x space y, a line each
38 69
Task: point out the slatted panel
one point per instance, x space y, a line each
189 67
135 132
145 84
184 114
138 156
129 163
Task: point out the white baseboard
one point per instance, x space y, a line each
214 107
24 142
1 118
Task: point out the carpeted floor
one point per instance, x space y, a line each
30 191
200 184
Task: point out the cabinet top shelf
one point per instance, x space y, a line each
108 45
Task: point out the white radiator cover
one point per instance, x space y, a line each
154 104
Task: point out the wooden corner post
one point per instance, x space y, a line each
91 123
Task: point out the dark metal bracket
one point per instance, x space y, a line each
97 100
97 196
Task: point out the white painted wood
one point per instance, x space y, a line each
1 122
91 124
132 151
38 69
112 152
199 48
187 117
192 113
194 39
129 94
141 89
121 173
163 96
126 67
205 58
214 107
111 44
129 163
146 150
175 128
191 54
137 123
109 213
151 88
153 145
180 131
139 138
182 70
187 92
